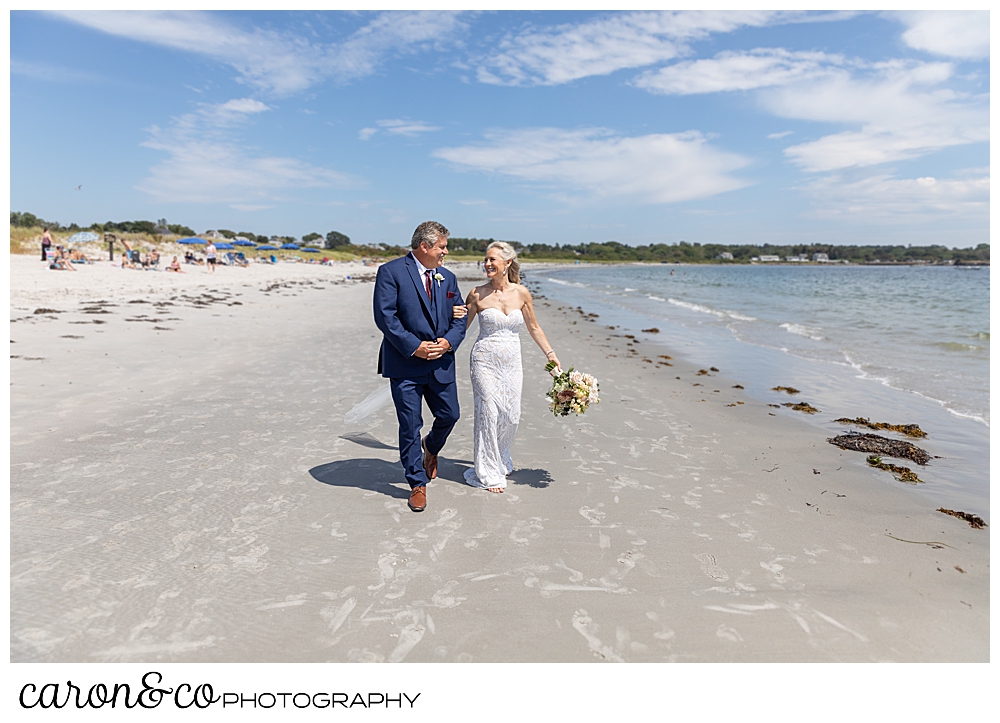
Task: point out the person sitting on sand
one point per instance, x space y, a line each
154 260
175 266
60 261
78 257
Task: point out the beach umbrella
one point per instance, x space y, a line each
224 245
310 251
267 247
82 237
242 242
191 240
290 246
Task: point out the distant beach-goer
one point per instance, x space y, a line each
210 257
175 266
46 243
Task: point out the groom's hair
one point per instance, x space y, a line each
428 232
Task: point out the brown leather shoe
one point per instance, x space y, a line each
430 461
418 498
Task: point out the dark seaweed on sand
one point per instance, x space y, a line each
801 407
788 390
874 444
975 522
910 430
905 473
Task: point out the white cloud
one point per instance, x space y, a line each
659 168
885 197
563 53
782 134
901 111
736 70
205 164
398 127
272 61
961 34
54 73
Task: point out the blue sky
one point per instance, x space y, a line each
553 127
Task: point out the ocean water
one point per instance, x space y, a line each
903 344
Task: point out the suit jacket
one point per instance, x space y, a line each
406 317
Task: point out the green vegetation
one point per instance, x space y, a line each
607 252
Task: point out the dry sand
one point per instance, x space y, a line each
184 489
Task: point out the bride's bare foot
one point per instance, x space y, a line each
494 489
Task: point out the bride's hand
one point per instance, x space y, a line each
551 357
459 311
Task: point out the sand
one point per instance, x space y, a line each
184 489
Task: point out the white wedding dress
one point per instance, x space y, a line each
496 393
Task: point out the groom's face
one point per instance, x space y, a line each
435 254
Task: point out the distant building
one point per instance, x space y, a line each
769 257
821 258
725 256
796 259
213 234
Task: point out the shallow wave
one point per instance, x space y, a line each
567 283
696 307
957 346
654 298
801 330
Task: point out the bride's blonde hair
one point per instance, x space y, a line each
508 254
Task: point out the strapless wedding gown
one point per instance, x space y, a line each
496 394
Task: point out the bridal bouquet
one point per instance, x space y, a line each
571 391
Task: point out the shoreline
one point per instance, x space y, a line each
197 490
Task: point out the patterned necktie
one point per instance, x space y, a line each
427 276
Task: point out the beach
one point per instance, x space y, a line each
184 488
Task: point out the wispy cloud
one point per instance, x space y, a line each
567 52
963 34
595 162
205 164
272 61
782 134
899 110
736 70
887 198
54 73
398 127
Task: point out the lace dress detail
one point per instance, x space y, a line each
496 393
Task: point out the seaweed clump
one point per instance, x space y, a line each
905 473
801 407
910 430
874 444
975 522
787 390
651 330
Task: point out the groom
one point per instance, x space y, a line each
414 296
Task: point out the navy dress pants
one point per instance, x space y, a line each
442 399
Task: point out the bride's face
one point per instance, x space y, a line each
494 265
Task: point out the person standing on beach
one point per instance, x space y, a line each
210 257
413 306
46 243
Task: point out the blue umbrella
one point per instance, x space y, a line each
191 240
290 246
82 237
310 251
224 245
267 247
243 242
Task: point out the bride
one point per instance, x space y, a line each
502 306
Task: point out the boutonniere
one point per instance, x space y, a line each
439 278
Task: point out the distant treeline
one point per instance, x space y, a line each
695 253
609 251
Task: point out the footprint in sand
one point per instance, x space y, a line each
588 629
710 567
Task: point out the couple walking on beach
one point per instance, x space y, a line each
420 311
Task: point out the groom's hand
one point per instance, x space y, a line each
429 350
444 344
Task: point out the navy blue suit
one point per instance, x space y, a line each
406 317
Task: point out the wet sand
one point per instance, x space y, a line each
184 489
